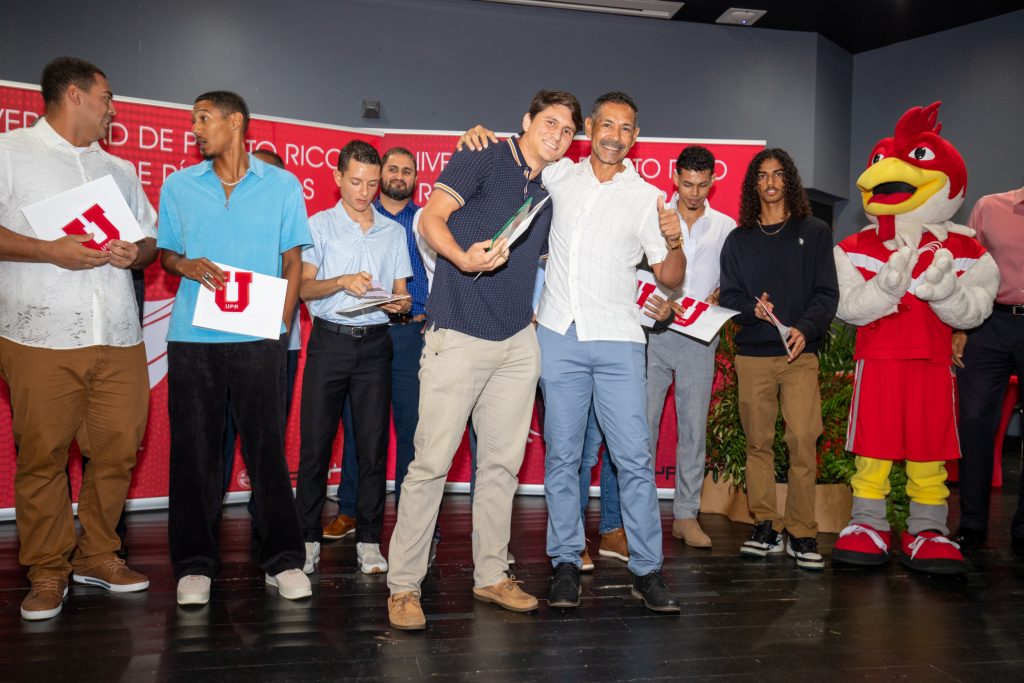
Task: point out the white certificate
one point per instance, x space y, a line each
97 208
700 319
250 304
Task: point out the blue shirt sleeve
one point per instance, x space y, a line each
168 234
295 224
466 173
313 253
403 265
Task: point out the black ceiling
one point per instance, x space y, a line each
856 25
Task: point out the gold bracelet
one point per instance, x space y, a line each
678 245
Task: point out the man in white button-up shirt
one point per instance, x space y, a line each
606 218
70 343
689 361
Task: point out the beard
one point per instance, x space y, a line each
396 192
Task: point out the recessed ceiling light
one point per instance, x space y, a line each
656 9
740 16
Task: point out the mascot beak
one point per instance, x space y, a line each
892 186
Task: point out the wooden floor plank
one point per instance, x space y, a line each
760 620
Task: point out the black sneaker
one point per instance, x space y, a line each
565 586
805 550
652 590
764 541
969 539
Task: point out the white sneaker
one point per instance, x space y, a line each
312 557
194 589
371 561
291 584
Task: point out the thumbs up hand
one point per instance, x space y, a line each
670 225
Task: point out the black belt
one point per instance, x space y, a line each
357 332
1007 308
406 318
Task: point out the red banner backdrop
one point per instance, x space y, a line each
156 138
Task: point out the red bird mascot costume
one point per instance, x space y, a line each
907 281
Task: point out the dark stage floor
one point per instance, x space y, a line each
753 620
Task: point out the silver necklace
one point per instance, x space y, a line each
226 183
769 234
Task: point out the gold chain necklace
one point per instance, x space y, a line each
769 234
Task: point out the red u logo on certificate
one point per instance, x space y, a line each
693 309
242 280
94 216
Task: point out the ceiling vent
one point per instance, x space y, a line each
655 9
740 17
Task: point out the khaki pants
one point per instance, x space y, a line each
765 383
496 382
99 396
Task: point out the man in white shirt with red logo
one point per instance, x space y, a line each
70 343
690 362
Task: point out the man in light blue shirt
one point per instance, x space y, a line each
235 210
355 251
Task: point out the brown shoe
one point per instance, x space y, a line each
689 531
45 600
613 544
587 565
112 574
342 526
507 594
405 613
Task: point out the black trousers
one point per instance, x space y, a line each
994 352
339 365
201 378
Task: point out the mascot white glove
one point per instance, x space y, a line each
861 301
895 276
939 281
961 302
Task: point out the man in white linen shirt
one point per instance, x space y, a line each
70 343
689 361
592 344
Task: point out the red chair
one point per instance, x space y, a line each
1009 404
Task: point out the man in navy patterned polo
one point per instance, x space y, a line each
481 357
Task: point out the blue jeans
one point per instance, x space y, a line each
611 515
612 375
407 343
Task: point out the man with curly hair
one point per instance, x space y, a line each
778 266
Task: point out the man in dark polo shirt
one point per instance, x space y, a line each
481 358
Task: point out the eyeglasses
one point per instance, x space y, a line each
777 174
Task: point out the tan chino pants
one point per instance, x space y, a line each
98 395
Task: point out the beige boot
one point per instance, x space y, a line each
689 531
